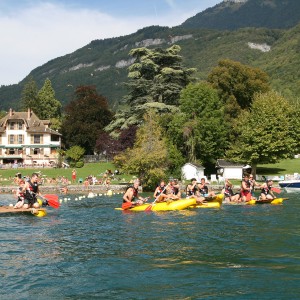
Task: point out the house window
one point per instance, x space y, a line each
36 150
36 138
20 139
11 139
20 125
12 125
54 138
11 151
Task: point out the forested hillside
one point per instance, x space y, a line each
247 13
104 63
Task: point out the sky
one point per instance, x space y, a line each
34 31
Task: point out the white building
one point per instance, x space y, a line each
229 170
26 139
190 171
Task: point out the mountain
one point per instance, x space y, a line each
234 14
104 63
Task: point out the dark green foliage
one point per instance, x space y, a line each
199 131
30 98
237 85
79 164
86 116
157 76
252 13
263 134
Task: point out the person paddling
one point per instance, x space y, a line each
266 191
229 195
160 193
246 189
132 193
31 190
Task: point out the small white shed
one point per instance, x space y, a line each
190 171
229 170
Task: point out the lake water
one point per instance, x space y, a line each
88 250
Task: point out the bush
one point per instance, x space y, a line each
79 164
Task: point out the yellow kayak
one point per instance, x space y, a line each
208 205
211 202
267 201
164 206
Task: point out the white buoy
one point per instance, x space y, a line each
91 195
100 195
109 193
11 205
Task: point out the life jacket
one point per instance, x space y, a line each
135 192
161 190
228 192
203 190
266 190
174 190
31 192
21 195
248 184
191 192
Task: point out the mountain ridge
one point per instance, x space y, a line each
104 63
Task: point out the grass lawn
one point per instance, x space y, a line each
287 166
96 169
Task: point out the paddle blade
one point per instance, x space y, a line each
149 208
54 204
276 190
52 200
126 205
51 196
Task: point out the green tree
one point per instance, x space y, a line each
49 106
237 85
85 118
156 79
75 155
263 134
201 126
149 156
29 97
157 76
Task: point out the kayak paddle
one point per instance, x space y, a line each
52 200
149 208
276 190
127 205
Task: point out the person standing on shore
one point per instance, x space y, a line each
74 176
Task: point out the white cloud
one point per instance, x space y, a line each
37 34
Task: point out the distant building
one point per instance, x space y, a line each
26 139
230 170
190 171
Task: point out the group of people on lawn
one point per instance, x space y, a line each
201 192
